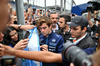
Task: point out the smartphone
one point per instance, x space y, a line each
26 35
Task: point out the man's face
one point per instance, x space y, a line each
45 30
62 23
54 18
76 32
1 36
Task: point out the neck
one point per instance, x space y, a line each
66 29
53 26
80 36
49 33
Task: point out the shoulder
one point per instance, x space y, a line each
89 41
41 36
57 35
58 31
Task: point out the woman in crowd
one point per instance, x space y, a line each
11 36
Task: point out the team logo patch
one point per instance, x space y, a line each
53 40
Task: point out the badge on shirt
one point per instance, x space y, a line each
53 40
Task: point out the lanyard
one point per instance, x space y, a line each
47 40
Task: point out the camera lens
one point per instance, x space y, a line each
74 54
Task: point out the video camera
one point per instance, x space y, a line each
7 60
76 55
94 6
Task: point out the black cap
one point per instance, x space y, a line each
78 21
98 18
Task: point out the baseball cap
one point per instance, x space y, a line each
98 18
78 21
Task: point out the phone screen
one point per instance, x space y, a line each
26 34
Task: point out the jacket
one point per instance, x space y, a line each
87 44
65 36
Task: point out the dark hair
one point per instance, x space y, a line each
66 17
82 27
52 12
29 6
7 37
44 20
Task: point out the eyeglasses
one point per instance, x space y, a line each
13 34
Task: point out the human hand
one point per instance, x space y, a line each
22 44
44 47
95 12
6 50
71 64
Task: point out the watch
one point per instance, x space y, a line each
19 26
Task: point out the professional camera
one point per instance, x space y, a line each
75 55
94 6
7 60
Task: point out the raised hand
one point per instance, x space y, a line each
22 44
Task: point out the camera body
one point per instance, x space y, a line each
7 60
94 6
75 55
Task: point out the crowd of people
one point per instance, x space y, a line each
54 30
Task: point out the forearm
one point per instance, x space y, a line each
94 15
89 19
90 23
43 56
23 27
15 26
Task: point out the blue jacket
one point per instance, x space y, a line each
55 44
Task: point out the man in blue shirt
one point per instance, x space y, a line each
49 40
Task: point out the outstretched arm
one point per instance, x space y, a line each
23 27
43 56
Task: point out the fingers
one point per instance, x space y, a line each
24 43
6 50
40 46
23 47
71 64
3 46
1 51
44 47
0 45
24 40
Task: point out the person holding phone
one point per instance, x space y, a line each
11 37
